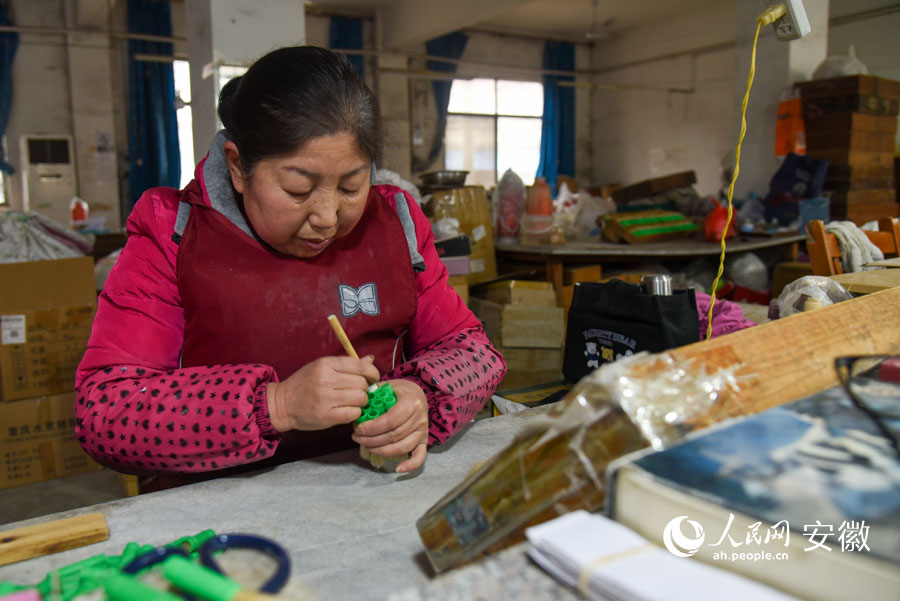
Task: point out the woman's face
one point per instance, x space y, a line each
302 202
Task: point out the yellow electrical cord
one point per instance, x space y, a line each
767 16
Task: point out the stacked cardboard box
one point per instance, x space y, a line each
46 311
851 122
522 320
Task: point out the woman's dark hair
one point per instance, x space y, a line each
293 95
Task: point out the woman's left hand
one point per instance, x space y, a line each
403 429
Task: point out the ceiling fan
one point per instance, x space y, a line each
599 31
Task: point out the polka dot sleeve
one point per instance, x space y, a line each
139 420
458 374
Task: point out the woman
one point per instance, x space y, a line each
211 346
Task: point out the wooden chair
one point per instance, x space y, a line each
825 253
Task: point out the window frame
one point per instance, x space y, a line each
495 117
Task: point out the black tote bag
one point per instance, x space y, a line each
615 319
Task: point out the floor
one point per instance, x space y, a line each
61 494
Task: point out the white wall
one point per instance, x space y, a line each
41 102
876 40
641 134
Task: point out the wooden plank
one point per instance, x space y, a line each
871 159
838 183
654 186
853 140
850 85
871 105
861 214
863 197
858 172
850 121
539 476
895 262
867 282
52 537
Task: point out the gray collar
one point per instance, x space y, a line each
222 195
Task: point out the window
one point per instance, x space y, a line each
182 74
494 125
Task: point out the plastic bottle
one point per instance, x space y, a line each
539 201
78 213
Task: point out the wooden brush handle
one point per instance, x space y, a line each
52 537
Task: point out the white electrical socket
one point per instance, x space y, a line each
794 24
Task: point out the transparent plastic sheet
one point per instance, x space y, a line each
558 462
805 294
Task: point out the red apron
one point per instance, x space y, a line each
247 303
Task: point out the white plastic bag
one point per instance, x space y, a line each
508 203
805 294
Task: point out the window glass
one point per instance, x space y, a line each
183 115
521 98
518 146
473 96
492 126
470 146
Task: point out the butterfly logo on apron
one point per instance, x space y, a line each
354 300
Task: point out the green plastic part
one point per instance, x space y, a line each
191 543
199 580
653 219
380 402
91 574
121 587
649 231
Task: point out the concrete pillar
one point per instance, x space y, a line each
232 33
778 66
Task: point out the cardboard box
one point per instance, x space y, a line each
37 441
470 206
46 311
527 366
521 325
461 285
585 273
520 292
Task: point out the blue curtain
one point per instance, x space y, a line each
558 124
9 42
452 46
153 136
347 33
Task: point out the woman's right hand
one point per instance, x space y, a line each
327 392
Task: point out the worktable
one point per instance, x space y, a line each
555 258
350 531
867 282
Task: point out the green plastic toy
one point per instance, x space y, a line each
380 401
90 574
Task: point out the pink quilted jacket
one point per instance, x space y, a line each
138 411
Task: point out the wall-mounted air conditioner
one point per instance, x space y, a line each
49 178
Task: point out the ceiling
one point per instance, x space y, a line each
567 20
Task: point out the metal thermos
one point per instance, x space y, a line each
657 284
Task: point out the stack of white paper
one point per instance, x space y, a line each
609 562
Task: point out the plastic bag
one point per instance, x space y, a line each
508 203
747 270
805 294
445 227
790 129
715 223
590 207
